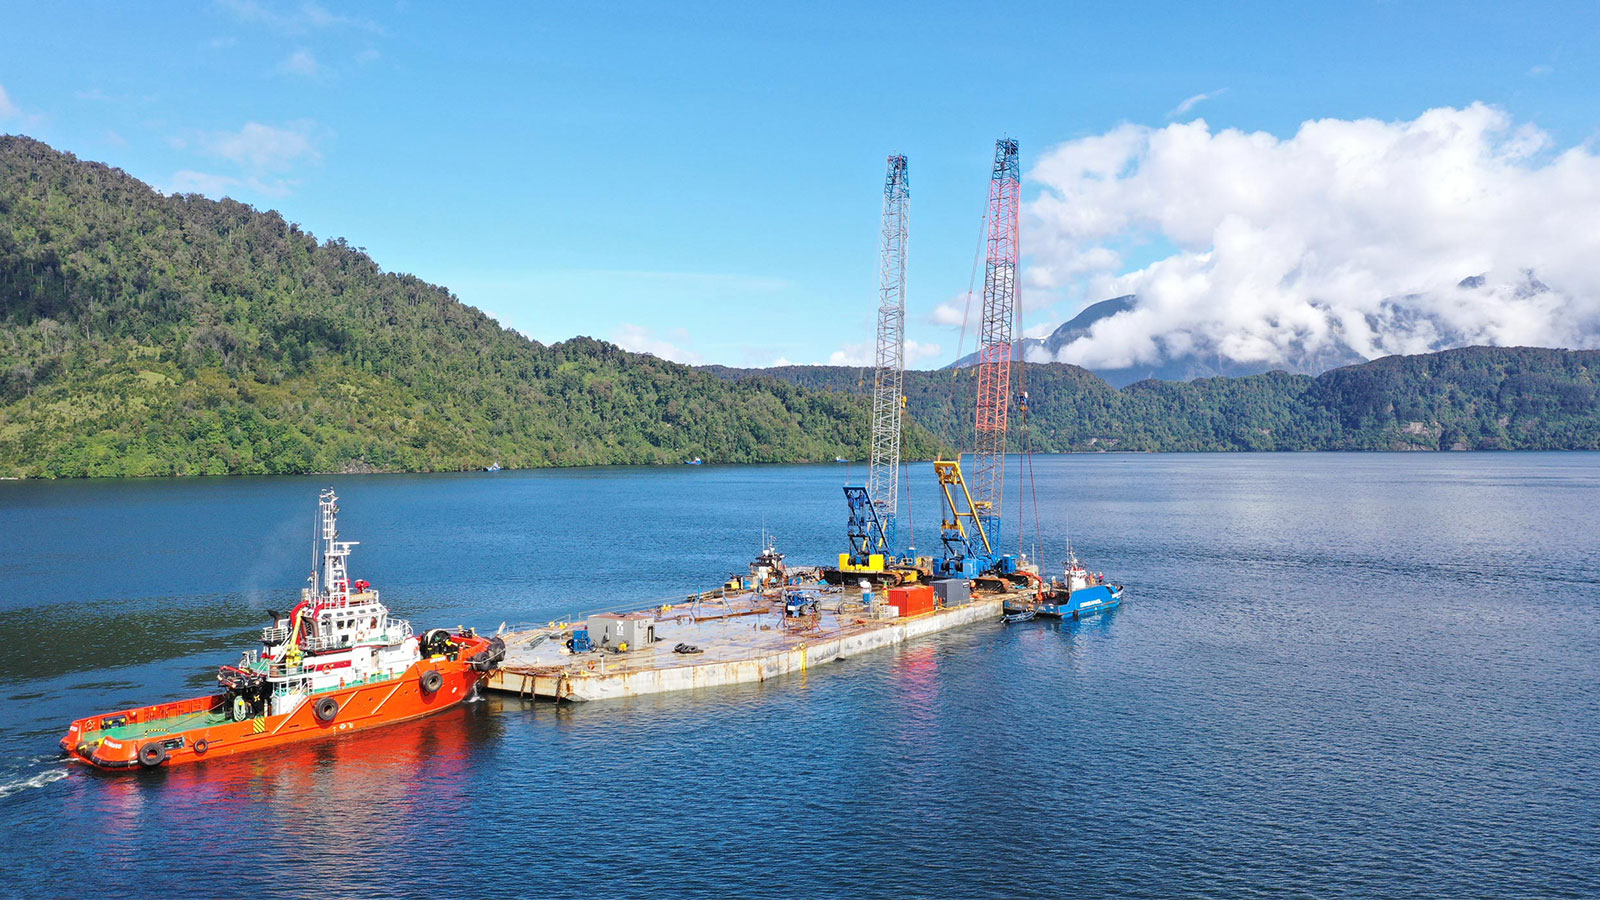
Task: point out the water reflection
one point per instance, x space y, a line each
327 804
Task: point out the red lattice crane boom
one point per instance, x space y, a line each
995 336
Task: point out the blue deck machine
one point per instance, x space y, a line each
969 534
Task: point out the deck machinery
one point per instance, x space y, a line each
871 528
970 529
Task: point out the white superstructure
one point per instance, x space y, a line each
339 635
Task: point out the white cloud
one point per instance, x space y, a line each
1194 101
188 181
216 185
301 62
1348 238
295 20
640 339
852 355
10 110
265 148
319 17
956 311
368 56
1540 70
918 352
863 354
1047 278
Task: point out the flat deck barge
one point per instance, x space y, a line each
741 637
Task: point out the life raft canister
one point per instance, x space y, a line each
431 681
326 709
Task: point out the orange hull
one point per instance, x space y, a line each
360 707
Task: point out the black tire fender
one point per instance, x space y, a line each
152 754
326 709
201 746
431 681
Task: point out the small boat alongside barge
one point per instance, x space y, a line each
1078 593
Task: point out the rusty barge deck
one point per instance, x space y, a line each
741 638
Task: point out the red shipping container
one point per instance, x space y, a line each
913 600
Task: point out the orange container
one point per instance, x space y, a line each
913 600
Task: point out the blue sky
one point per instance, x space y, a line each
704 180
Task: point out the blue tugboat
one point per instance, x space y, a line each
1077 594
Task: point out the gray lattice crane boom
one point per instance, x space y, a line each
874 508
889 364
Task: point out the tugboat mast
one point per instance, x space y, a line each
334 584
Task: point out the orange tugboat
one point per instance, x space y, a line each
337 663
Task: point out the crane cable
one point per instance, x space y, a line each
861 388
972 283
911 518
1025 467
1025 462
966 319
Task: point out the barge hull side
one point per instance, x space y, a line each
585 686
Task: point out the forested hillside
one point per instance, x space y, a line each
1475 398
143 334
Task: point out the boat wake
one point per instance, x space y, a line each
49 776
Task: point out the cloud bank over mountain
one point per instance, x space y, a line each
1350 239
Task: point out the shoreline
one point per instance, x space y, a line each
831 463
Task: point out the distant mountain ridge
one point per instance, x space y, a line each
1064 334
1079 325
1393 313
1186 367
1473 398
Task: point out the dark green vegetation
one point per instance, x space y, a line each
142 334
1477 398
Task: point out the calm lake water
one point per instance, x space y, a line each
1335 675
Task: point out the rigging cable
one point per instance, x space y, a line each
911 519
1033 487
1025 461
966 318
972 283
